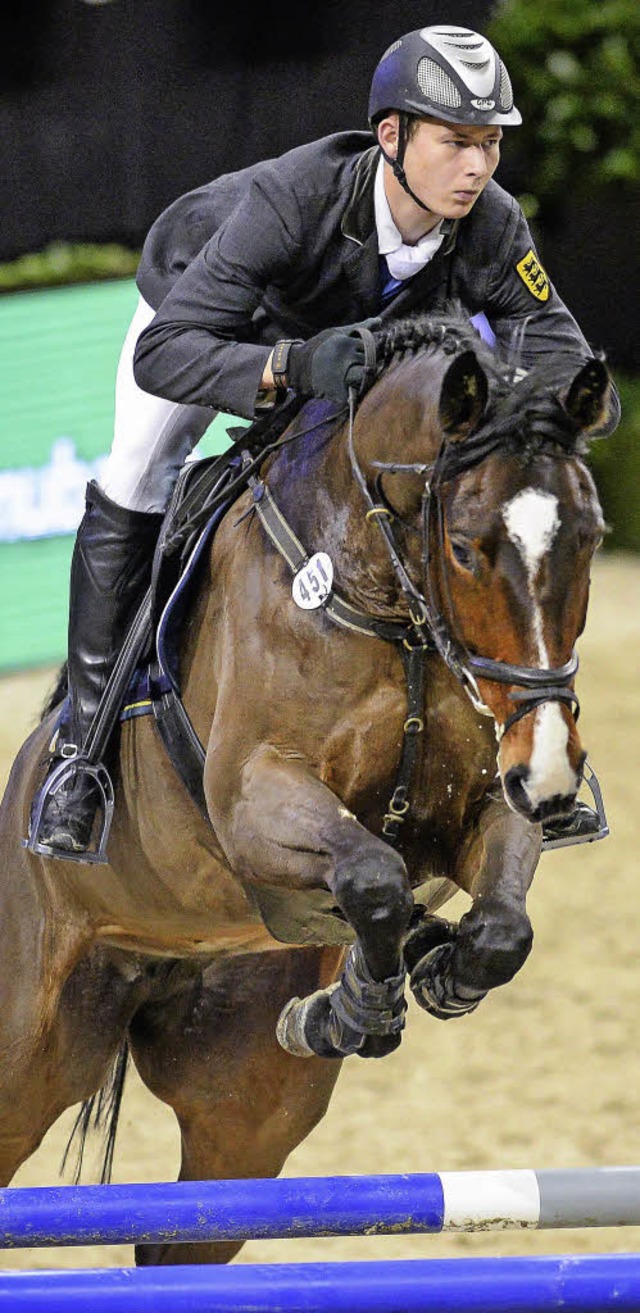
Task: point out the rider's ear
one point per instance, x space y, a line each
587 401
463 397
387 134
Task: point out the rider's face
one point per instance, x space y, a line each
447 165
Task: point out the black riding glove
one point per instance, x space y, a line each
326 366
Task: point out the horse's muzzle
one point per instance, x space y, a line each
537 808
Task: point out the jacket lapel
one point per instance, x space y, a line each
362 268
423 290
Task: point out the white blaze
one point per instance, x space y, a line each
532 522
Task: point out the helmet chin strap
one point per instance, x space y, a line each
397 164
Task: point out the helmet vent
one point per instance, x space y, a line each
396 46
436 85
505 94
478 67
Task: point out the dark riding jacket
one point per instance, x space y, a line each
289 246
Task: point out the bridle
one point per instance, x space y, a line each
536 685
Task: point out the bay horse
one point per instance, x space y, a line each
365 758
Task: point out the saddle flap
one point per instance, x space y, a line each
204 492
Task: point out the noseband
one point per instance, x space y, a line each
537 684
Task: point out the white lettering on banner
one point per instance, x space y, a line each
47 500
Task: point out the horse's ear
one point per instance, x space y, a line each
463 397
587 400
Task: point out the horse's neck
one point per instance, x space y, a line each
317 494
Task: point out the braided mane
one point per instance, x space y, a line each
449 330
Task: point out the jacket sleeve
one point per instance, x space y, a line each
199 348
530 320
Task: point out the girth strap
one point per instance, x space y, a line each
181 741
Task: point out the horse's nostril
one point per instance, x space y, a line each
514 782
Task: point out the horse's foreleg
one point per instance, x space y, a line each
453 967
286 828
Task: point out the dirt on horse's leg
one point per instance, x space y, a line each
242 1103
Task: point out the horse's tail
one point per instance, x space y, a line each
100 1113
58 692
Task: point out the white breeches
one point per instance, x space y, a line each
152 437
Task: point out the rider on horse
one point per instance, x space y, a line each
249 287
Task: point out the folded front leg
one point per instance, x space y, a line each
281 826
454 966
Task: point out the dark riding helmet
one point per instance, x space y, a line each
450 73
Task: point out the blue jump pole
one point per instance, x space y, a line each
318 1206
585 1283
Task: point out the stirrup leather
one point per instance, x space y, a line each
68 770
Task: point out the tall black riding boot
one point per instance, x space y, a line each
110 572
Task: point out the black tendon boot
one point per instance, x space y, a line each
110 572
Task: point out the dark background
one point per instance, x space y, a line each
109 111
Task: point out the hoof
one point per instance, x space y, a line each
379 1046
308 1028
428 933
354 1015
290 1030
433 986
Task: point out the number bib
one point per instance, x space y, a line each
313 582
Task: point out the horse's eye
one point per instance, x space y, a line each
463 554
588 540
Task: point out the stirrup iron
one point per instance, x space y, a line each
565 841
69 769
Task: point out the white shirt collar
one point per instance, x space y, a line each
403 260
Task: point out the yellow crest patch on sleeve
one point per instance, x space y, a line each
533 276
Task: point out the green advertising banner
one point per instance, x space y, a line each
59 352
